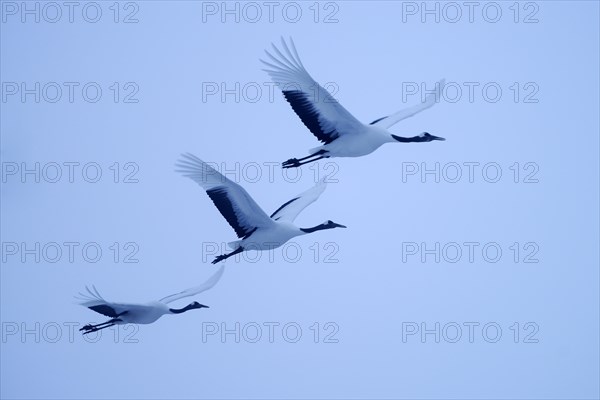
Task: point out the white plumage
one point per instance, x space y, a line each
342 134
129 313
253 226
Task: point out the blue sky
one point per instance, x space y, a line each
186 77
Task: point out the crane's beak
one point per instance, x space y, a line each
340 225
437 138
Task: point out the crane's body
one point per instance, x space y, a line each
266 239
135 313
342 134
365 141
256 230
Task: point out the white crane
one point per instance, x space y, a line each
253 226
123 313
342 134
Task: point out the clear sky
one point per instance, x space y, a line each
469 268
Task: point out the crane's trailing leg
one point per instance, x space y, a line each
93 328
296 162
226 256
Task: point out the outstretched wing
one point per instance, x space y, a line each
290 210
212 281
234 203
430 100
94 301
319 111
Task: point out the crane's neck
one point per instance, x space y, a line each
315 228
181 310
413 139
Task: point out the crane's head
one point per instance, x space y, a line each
428 138
423 137
325 225
195 304
329 224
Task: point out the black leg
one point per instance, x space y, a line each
296 162
93 328
96 328
226 256
90 327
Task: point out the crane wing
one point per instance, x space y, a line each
212 281
290 210
317 108
234 203
94 301
430 100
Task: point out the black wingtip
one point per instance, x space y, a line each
377 120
